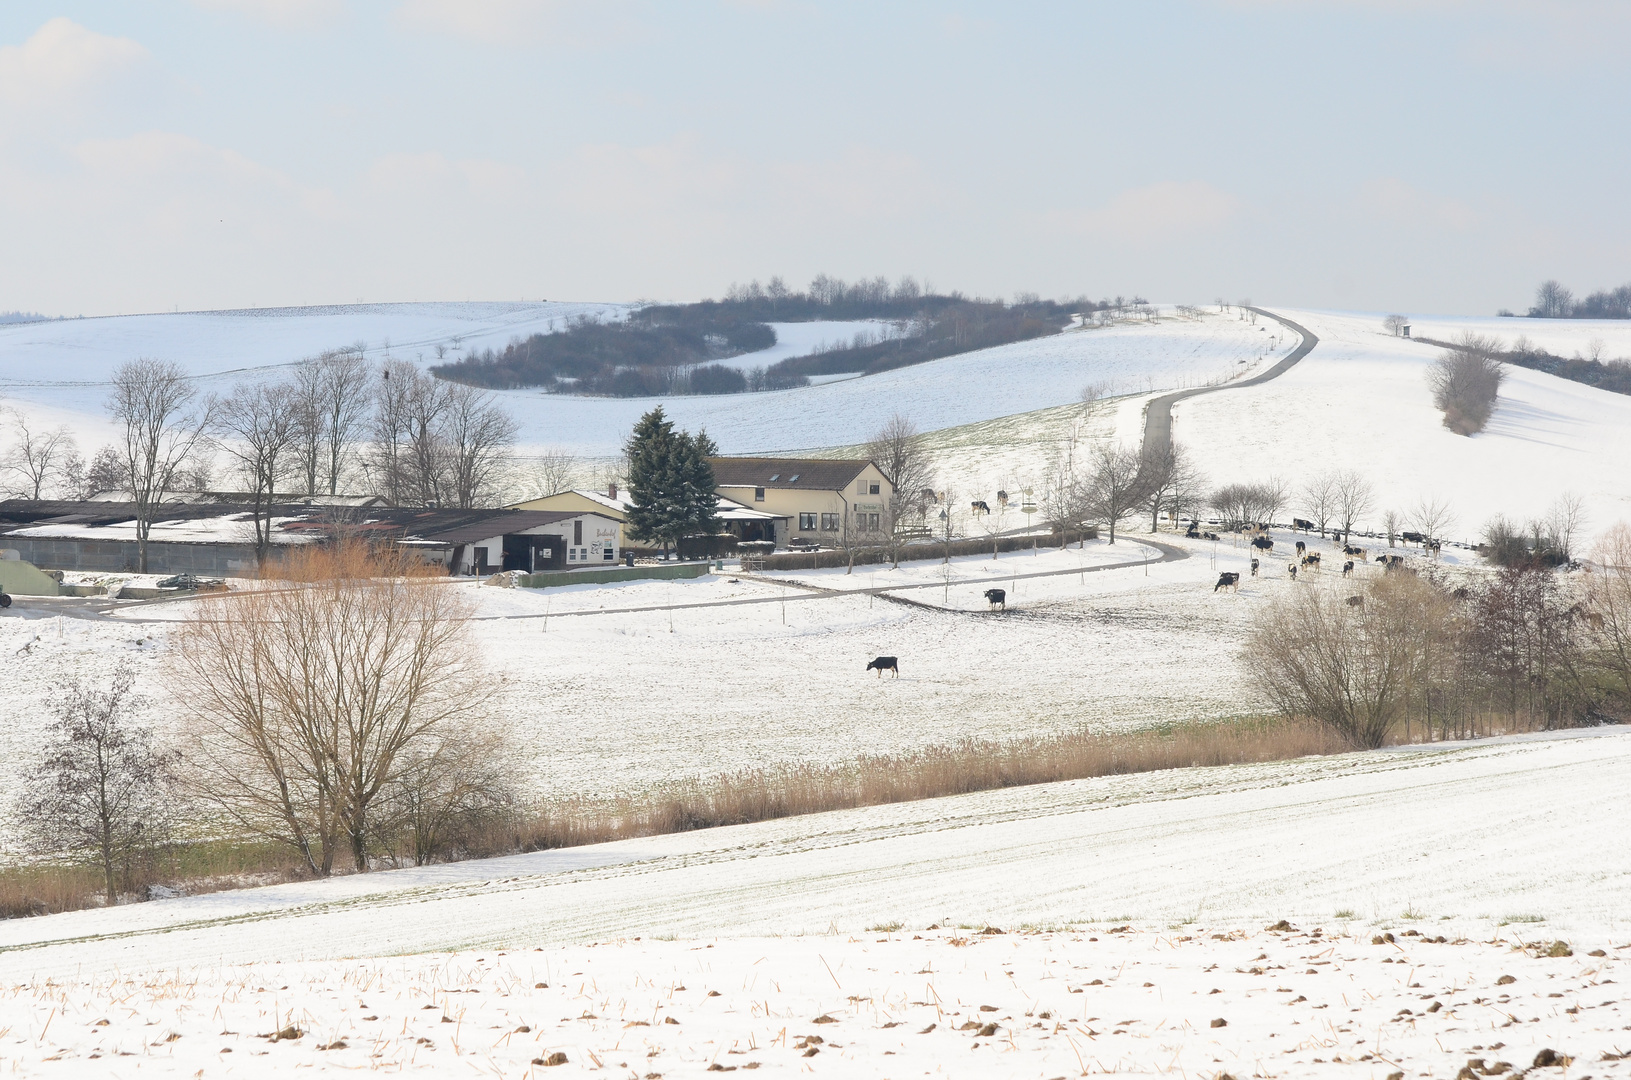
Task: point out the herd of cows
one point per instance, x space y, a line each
1305 559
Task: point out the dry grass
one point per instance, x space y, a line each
968 766
736 799
191 869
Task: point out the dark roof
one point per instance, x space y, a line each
492 525
815 474
439 525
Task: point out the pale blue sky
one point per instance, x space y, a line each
1425 156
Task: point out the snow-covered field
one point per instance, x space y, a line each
1133 908
694 678
728 672
1360 401
57 370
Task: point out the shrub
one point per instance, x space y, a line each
1466 380
717 379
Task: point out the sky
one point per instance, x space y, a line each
1422 156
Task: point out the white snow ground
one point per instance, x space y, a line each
1360 401
686 680
1134 908
59 370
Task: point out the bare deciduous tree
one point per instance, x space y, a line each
1553 301
897 450
101 790
332 394
261 422
1565 518
553 471
1608 599
477 434
1395 324
1351 667
1392 522
1432 517
307 703
1114 487
39 456
1354 499
164 424
1319 499
1171 483
1247 504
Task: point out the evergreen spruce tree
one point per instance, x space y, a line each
702 502
670 481
654 486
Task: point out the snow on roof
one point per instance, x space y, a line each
234 528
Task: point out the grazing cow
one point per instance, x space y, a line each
885 663
1392 562
1227 580
1254 568
979 506
1355 552
1301 525
1347 568
1302 549
1312 561
1412 537
1355 601
1432 547
1263 544
1192 534
997 598
1002 498
1292 569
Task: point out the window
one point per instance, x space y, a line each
577 531
807 521
774 477
609 555
873 490
829 522
867 522
758 494
793 479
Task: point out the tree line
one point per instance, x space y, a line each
663 349
336 421
1554 300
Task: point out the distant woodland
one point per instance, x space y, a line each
676 348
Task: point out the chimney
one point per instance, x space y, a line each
611 491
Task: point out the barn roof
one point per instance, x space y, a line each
513 521
815 474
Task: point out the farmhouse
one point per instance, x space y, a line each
816 500
742 522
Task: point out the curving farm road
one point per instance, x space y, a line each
1158 414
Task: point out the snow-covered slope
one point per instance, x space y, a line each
59 369
1361 401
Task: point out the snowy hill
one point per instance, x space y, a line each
1361 401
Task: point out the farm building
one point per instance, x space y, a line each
817 500
218 540
742 522
529 540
